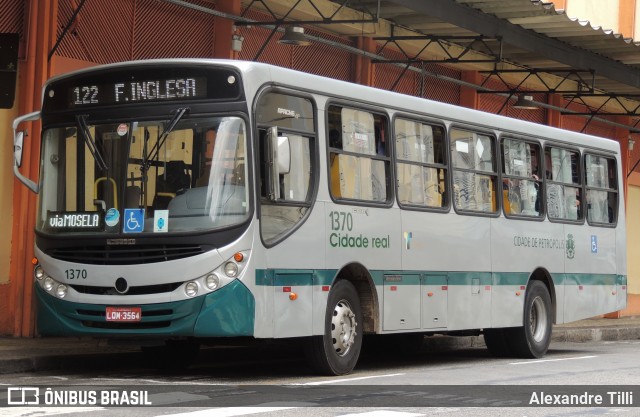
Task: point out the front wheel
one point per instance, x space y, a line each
532 340
337 351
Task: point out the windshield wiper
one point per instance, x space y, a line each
163 137
91 144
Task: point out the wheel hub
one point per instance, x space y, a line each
343 327
538 320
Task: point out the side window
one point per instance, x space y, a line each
521 178
359 162
421 164
602 189
286 146
474 171
563 184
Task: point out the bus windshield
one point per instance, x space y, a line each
148 176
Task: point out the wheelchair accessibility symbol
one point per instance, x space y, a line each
133 220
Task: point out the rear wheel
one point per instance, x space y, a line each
532 340
337 351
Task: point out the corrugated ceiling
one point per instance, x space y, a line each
529 33
544 19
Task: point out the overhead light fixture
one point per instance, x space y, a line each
525 103
236 43
294 35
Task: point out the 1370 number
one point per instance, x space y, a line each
341 220
76 273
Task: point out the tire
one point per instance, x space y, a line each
337 351
497 343
533 338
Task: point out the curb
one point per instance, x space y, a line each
55 362
595 334
559 334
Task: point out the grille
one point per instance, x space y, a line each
124 255
126 326
140 290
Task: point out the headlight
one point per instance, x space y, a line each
225 273
48 283
231 269
212 281
38 272
191 289
61 291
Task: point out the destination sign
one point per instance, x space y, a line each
142 84
59 221
138 91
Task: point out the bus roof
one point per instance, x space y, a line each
397 102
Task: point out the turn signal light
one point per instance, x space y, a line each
238 257
293 296
34 261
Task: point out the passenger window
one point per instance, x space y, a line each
421 164
602 193
286 145
474 171
358 155
521 178
564 186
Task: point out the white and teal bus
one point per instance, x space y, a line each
189 200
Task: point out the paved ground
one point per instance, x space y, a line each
41 354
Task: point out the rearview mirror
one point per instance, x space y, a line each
279 159
18 142
18 147
283 155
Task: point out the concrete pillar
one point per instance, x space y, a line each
554 118
224 30
469 97
16 303
622 136
365 70
626 17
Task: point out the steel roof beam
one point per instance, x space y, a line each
491 26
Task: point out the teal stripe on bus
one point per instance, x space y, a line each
469 278
300 277
590 279
512 278
280 277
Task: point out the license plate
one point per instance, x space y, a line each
124 313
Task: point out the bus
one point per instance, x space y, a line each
187 201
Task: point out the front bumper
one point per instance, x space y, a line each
228 312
